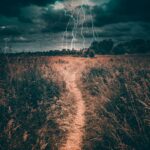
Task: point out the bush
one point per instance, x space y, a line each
91 53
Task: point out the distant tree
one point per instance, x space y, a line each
136 46
106 46
132 47
119 49
85 52
102 47
95 46
91 53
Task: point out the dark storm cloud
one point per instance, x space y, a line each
21 39
9 31
33 19
122 11
56 21
24 19
38 15
11 8
119 30
129 29
27 21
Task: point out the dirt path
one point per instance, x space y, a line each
71 73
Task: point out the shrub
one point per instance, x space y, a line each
91 53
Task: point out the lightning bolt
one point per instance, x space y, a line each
6 45
78 23
82 34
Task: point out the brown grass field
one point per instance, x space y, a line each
75 103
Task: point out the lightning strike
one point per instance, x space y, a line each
78 23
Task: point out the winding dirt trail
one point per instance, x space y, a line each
71 71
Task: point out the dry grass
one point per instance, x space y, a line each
39 103
117 97
33 104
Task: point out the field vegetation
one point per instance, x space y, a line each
31 104
73 103
117 97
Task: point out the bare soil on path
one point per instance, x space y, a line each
71 72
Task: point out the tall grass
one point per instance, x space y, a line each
26 121
120 117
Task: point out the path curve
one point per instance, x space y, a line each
71 73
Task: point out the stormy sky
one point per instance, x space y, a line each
39 25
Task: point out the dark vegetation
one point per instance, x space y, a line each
121 115
104 47
88 53
131 47
46 53
25 99
91 53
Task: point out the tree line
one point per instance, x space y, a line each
104 47
108 46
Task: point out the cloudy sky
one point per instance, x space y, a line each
38 25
